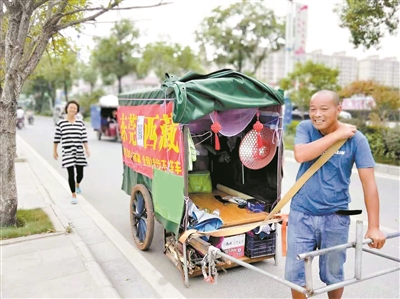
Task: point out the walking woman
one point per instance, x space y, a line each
71 132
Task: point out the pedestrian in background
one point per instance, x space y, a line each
71 132
319 215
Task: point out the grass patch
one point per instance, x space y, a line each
29 222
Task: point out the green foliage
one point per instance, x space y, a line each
87 72
288 140
387 99
368 20
392 141
87 99
29 222
117 54
243 32
162 57
358 122
376 142
307 79
291 128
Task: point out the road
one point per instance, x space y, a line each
102 188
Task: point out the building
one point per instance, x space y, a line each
385 71
272 69
346 65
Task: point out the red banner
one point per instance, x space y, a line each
150 139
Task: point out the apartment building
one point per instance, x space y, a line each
385 71
346 65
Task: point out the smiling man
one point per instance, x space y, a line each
319 215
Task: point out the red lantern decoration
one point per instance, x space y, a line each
216 127
258 126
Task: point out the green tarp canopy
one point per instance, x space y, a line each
196 95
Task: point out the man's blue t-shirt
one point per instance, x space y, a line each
327 191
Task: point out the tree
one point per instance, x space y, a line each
368 20
387 100
52 72
307 79
27 28
162 57
244 33
88 73
115 55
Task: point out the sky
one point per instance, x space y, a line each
177 23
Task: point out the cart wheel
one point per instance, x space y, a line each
98 135
142 217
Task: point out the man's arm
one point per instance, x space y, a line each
371 199
309 151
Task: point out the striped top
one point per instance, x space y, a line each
72 136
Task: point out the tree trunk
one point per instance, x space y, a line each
119 84
65 85
8 116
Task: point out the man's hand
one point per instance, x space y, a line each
345 131
377 236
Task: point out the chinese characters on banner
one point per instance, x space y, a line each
150 139
300 32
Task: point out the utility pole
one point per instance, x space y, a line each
289 38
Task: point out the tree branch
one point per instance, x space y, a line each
114 8
39 3
2 33
7 4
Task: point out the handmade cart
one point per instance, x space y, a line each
203 152
203 156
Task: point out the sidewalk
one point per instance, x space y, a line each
61 264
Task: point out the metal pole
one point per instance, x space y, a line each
186 193
309 277
381 255
352 281
251 267
358 250
288 37
340 247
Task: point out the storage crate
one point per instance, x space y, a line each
256 247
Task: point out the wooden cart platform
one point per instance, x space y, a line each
230 213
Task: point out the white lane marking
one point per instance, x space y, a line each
155 279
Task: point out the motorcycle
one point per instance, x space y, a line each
29 114
20 123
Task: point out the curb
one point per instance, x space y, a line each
61 222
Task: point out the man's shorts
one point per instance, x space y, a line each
307 233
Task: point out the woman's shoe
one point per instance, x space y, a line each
78 190
74 200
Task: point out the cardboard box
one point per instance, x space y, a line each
234 245
236 252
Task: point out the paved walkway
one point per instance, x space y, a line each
61 264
